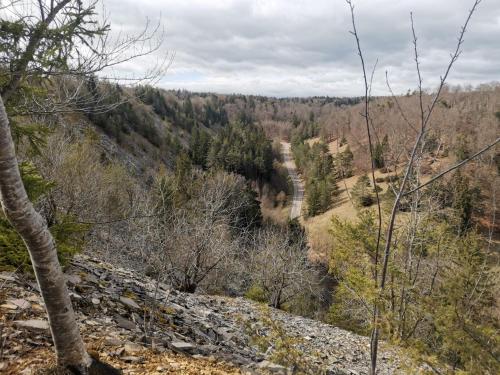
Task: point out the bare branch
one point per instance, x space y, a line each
452 168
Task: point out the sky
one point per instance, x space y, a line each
303 48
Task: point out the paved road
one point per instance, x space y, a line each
298 185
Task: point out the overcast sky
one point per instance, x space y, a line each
303 47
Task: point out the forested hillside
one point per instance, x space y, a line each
151 230
191 175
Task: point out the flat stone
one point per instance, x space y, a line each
129 302
9 306
20 303
34 298
7 276
34 325
96 301
112 341
75 296
132 348
125 323
74 279
272 367
183 346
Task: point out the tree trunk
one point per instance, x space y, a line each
30 225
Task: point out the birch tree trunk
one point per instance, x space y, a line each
30 225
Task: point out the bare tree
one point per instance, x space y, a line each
191 242
422 130
279 265
79 45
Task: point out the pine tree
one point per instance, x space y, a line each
362 192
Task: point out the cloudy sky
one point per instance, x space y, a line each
303 47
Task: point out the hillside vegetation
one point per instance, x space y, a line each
191 176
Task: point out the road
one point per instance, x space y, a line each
298 185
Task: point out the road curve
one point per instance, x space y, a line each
298 185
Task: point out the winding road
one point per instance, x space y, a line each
298 185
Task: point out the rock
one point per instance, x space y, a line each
132 348
75 296
124 323
193 324
112 341
73 279
34 298
132 359
9 306
129 303
91 278
7 276
34 325
182 346
272 368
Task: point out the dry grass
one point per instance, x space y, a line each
41 361
317 227
279 214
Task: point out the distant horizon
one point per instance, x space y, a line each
462 88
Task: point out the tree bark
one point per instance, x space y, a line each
30 225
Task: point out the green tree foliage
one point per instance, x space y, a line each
183 190
439 301
343 162
351 263
199 147
461 198
244 150
215 113
379 151
155 98
461 148
295 120
179 114
122 118
317 168
362 192
465 329
68 234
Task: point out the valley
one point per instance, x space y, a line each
248 187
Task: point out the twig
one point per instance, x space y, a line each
452 168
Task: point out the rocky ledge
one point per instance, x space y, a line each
126 314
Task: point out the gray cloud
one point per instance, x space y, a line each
301 48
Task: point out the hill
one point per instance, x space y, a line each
143 327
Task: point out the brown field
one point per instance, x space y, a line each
317 227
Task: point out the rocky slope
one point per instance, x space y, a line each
190 334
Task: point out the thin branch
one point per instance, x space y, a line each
394 97
374 336
452 168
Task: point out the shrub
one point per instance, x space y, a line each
14 255
362 192
67 234
365 200
256 293
269 335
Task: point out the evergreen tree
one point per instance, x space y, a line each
379 151
362 192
